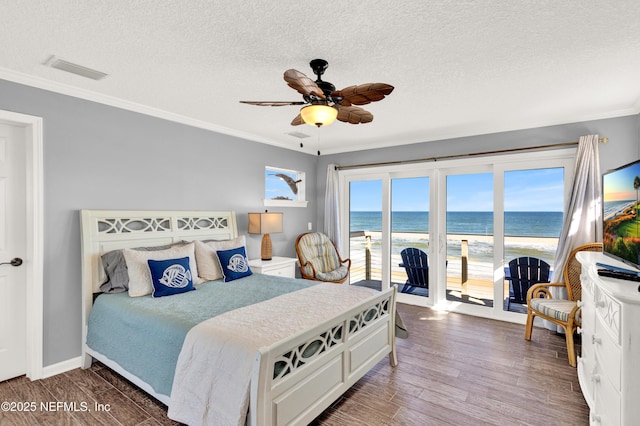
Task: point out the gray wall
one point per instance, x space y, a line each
623 147
100 157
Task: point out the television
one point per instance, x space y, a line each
620 213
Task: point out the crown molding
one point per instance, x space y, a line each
68 90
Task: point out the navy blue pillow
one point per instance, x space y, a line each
171 276
234 263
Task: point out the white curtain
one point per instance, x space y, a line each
583 215
332 206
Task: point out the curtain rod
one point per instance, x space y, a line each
473 154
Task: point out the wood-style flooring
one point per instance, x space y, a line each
454 370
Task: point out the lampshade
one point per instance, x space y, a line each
265 223
318 114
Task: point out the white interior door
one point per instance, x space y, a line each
13 356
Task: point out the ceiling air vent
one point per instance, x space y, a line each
298 135
61 64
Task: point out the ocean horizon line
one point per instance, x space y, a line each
548 224
458 211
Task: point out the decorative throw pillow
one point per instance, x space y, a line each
139 274
115 268
171 276
207 259
234 263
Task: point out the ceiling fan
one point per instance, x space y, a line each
324 102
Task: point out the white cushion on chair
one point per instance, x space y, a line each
335 275
559 309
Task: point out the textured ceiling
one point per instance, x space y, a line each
459 67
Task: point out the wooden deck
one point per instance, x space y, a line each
479 292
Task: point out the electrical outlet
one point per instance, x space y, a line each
310 226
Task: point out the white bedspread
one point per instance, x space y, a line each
212 379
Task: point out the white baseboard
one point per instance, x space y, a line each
61 367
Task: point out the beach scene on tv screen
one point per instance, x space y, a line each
621 190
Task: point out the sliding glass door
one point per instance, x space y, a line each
533 215
389 213
469 227
462 220
410 234
365 232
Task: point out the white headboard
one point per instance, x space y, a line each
106 230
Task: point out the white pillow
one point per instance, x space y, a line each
207 259
139 274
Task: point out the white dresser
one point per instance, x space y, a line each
279 266
609 366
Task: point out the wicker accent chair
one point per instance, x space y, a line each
565 313
319 259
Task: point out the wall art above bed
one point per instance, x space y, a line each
284 188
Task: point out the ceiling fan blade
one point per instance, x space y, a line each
354 115
364 93
297 121
303 84
275 103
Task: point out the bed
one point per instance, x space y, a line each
303 344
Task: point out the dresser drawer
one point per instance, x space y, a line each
278 266
587 284
608 311
608 353
282 271
608 402
585 374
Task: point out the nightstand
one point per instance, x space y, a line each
278 266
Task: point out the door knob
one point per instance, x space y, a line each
16 261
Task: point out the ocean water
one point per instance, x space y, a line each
516 224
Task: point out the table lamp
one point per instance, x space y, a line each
265 224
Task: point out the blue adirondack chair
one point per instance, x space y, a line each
523 273
416 265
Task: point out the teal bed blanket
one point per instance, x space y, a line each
145 335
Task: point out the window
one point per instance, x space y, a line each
470 216
284 187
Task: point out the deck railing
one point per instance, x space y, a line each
366 261
361 265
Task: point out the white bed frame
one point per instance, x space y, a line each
350 344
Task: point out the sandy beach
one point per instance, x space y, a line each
480 249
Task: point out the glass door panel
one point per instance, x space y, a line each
410 230
365 233
469 225
533 214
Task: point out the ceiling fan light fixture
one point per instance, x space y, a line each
318 114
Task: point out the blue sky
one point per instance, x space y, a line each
525 190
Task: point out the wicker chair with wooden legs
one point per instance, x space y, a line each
319 259
565 313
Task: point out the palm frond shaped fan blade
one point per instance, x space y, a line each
363 94
273 103
303 84
297 121
354 115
